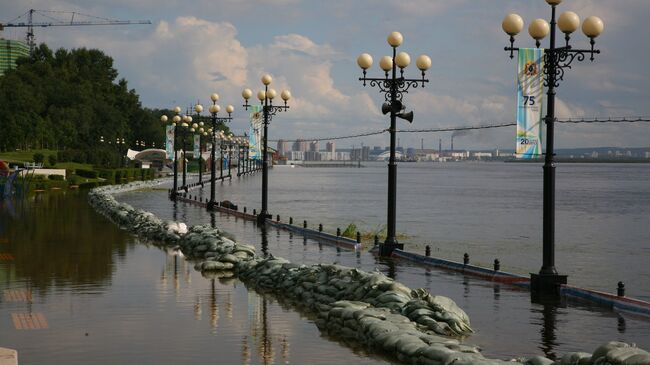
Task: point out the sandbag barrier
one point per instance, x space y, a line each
412 326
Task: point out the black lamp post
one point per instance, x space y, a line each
266 97
198 108
185 125
214 109
175 120
230 146
393 86
556 60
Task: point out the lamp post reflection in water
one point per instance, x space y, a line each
549 323
214 307
265 240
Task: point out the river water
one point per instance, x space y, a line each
489 210
108 298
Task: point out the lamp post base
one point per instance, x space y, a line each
546 286
386 249
211 205
261 218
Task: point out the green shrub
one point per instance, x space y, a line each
55 177
91 174
73 179
52 160
88 185
350 231
39 157
109 175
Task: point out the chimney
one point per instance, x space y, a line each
452 143
422 143
440 146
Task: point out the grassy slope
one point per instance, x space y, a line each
28 156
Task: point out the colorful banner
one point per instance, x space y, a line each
197 146
255 133
530 95
169 143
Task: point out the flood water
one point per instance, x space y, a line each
489 210
99 295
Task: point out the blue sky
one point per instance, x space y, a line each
197 47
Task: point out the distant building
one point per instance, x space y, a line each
327 156
299 145
362 154
365 153
647 154
410 152
283 147
330 147
342 156
481 155
314 146
312 156
295 155
10 51
426 154
460 155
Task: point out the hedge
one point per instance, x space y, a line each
91 174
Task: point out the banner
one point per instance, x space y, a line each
169 143
530 95
255 133
197 146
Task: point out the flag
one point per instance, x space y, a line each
169 144
255 132
530 95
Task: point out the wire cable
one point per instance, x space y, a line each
468 128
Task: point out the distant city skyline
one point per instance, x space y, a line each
198 47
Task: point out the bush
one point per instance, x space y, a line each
73 179
88 185
91 174
52 160
39 158
109 175
55 177
350 231
72 156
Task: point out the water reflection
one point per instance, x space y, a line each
621 324
57 239
549 342
265 239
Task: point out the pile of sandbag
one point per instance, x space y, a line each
412 326
318 286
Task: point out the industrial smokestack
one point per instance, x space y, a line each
440 146
452 143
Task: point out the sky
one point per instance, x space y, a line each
197 47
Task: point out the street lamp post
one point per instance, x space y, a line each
393 87
556 60
269 110
175 120
230 147
214 109
186 120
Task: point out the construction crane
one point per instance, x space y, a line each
27 20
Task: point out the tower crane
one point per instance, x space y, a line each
27 21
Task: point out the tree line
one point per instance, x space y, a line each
67 100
